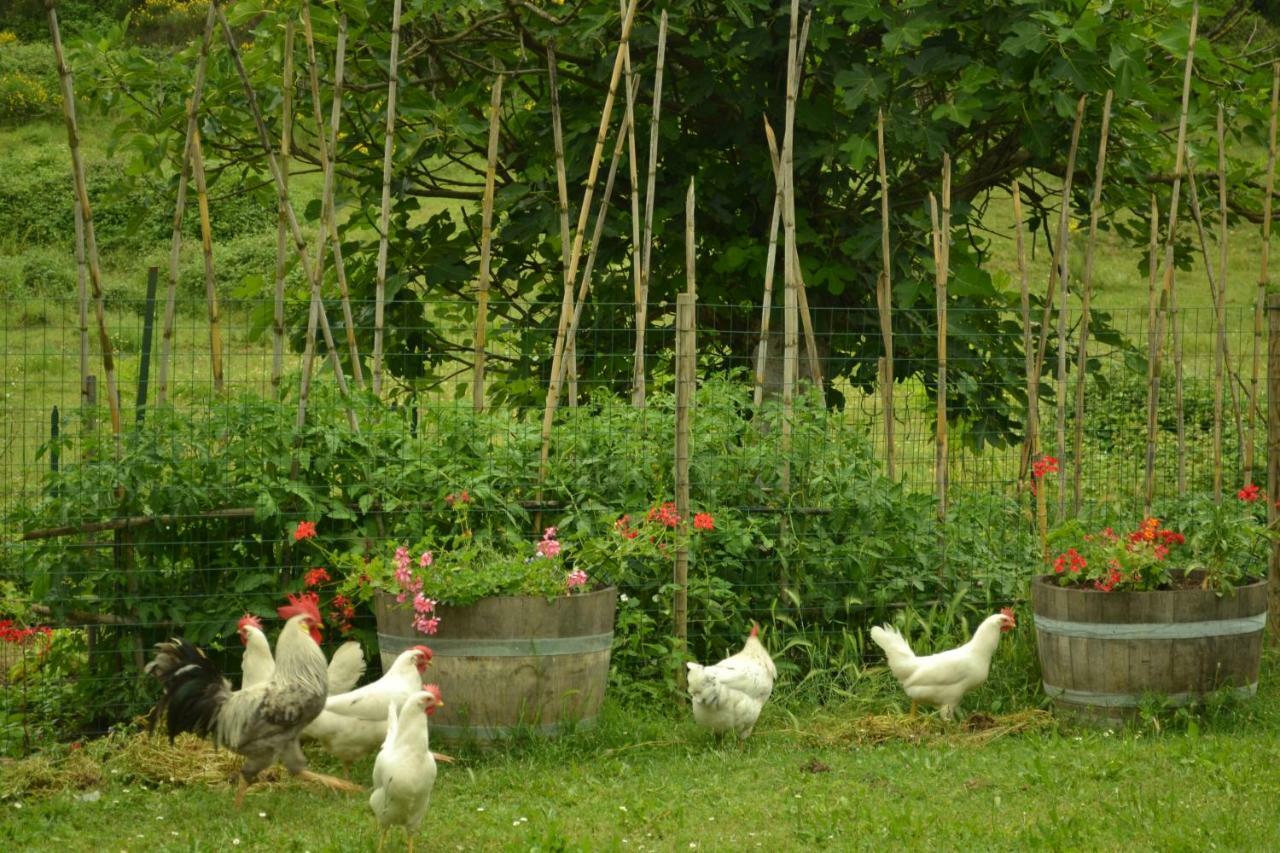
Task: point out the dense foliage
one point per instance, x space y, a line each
844 547
995 86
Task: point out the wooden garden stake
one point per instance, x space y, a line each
790 265
686 353
82 302
1057 264
282 224
1166 297
593 172
1064 275
1031 433
1222 351
690 245
942 263
637 253
1273 451
884 299
766 310
1086 291
1264 280
762 348
584 287
91 243
1179 412
486 245
327 156
384 214
300 242
637 381
206 251
175 243
562 191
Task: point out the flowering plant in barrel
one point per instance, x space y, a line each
1200 542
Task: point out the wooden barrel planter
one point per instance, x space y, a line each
1101 653
510 664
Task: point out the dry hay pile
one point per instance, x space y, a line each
977 730
135 757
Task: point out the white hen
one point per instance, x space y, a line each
405 770
943 679
256 664
729 696
349 727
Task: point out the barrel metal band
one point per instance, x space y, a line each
518 647
1131 700
1152 630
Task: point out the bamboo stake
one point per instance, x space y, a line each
86 212
1031 432
327 150
1153 369
1264 278
637 254
309 269
384 215
1086 292
175 243
775 159
593 172
942 271
82 302
690 246
1219 297
790 320
1175 322
1222 351
584 287
206 251
562 189
762 349
637 393
1064 308
486 245
686 350
1055 266
335 239
282 225
884 300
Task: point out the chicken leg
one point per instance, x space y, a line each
914 707
333 783
241 787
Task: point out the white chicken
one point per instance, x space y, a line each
263 722
405 770
729 696
350 726
347 666
943 679
256 663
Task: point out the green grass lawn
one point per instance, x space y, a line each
648 779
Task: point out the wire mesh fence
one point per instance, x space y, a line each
188 521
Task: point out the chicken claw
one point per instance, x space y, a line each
444 759
333 783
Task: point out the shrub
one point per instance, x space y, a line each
23 97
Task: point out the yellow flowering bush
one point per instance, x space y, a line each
22 96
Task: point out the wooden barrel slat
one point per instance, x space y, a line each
511 664
1101 653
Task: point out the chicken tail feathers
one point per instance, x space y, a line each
194 688
895 646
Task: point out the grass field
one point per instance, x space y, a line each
648 779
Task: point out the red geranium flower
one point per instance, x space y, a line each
315 577
704 521
1249 493
306 530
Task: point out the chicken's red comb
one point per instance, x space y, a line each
307 604
426 651
755 628
1008 611
249 621
434 690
